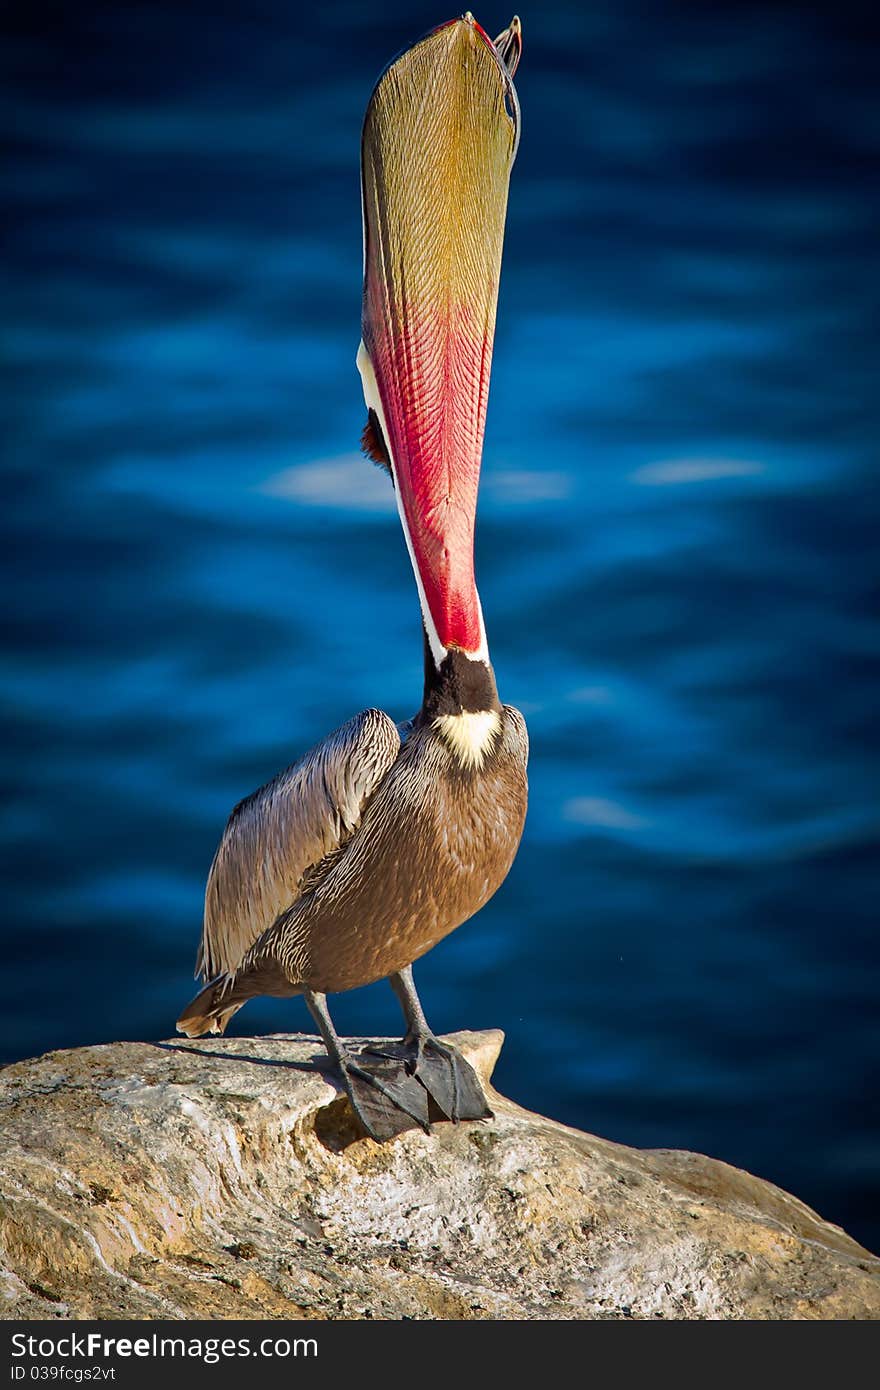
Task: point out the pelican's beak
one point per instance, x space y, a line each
439 139
508 45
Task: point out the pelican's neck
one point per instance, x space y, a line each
461 704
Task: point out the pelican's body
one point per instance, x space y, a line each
358 859
411 843
434 844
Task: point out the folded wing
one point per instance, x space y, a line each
276 839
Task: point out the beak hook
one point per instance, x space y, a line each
509 45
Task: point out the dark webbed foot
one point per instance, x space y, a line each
447 1077
449 1080
392 1096
386 1100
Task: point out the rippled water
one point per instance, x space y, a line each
676 544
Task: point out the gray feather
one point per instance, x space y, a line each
276 840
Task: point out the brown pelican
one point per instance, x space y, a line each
356 860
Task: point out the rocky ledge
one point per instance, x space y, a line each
228 1178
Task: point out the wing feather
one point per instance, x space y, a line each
275 839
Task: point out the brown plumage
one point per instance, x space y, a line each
356 861
276 838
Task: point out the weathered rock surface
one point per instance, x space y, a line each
228 1178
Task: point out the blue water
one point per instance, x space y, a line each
676 550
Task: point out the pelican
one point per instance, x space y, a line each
357 859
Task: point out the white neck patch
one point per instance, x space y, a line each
470 734
374 402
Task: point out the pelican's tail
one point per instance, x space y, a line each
211 1009
214 1006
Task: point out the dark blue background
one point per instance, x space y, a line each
676 547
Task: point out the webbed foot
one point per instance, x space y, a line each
387 1100
447 1077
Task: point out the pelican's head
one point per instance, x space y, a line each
440 136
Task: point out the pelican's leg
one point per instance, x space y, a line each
448 1078
387 1102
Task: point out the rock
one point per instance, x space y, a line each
228 1178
